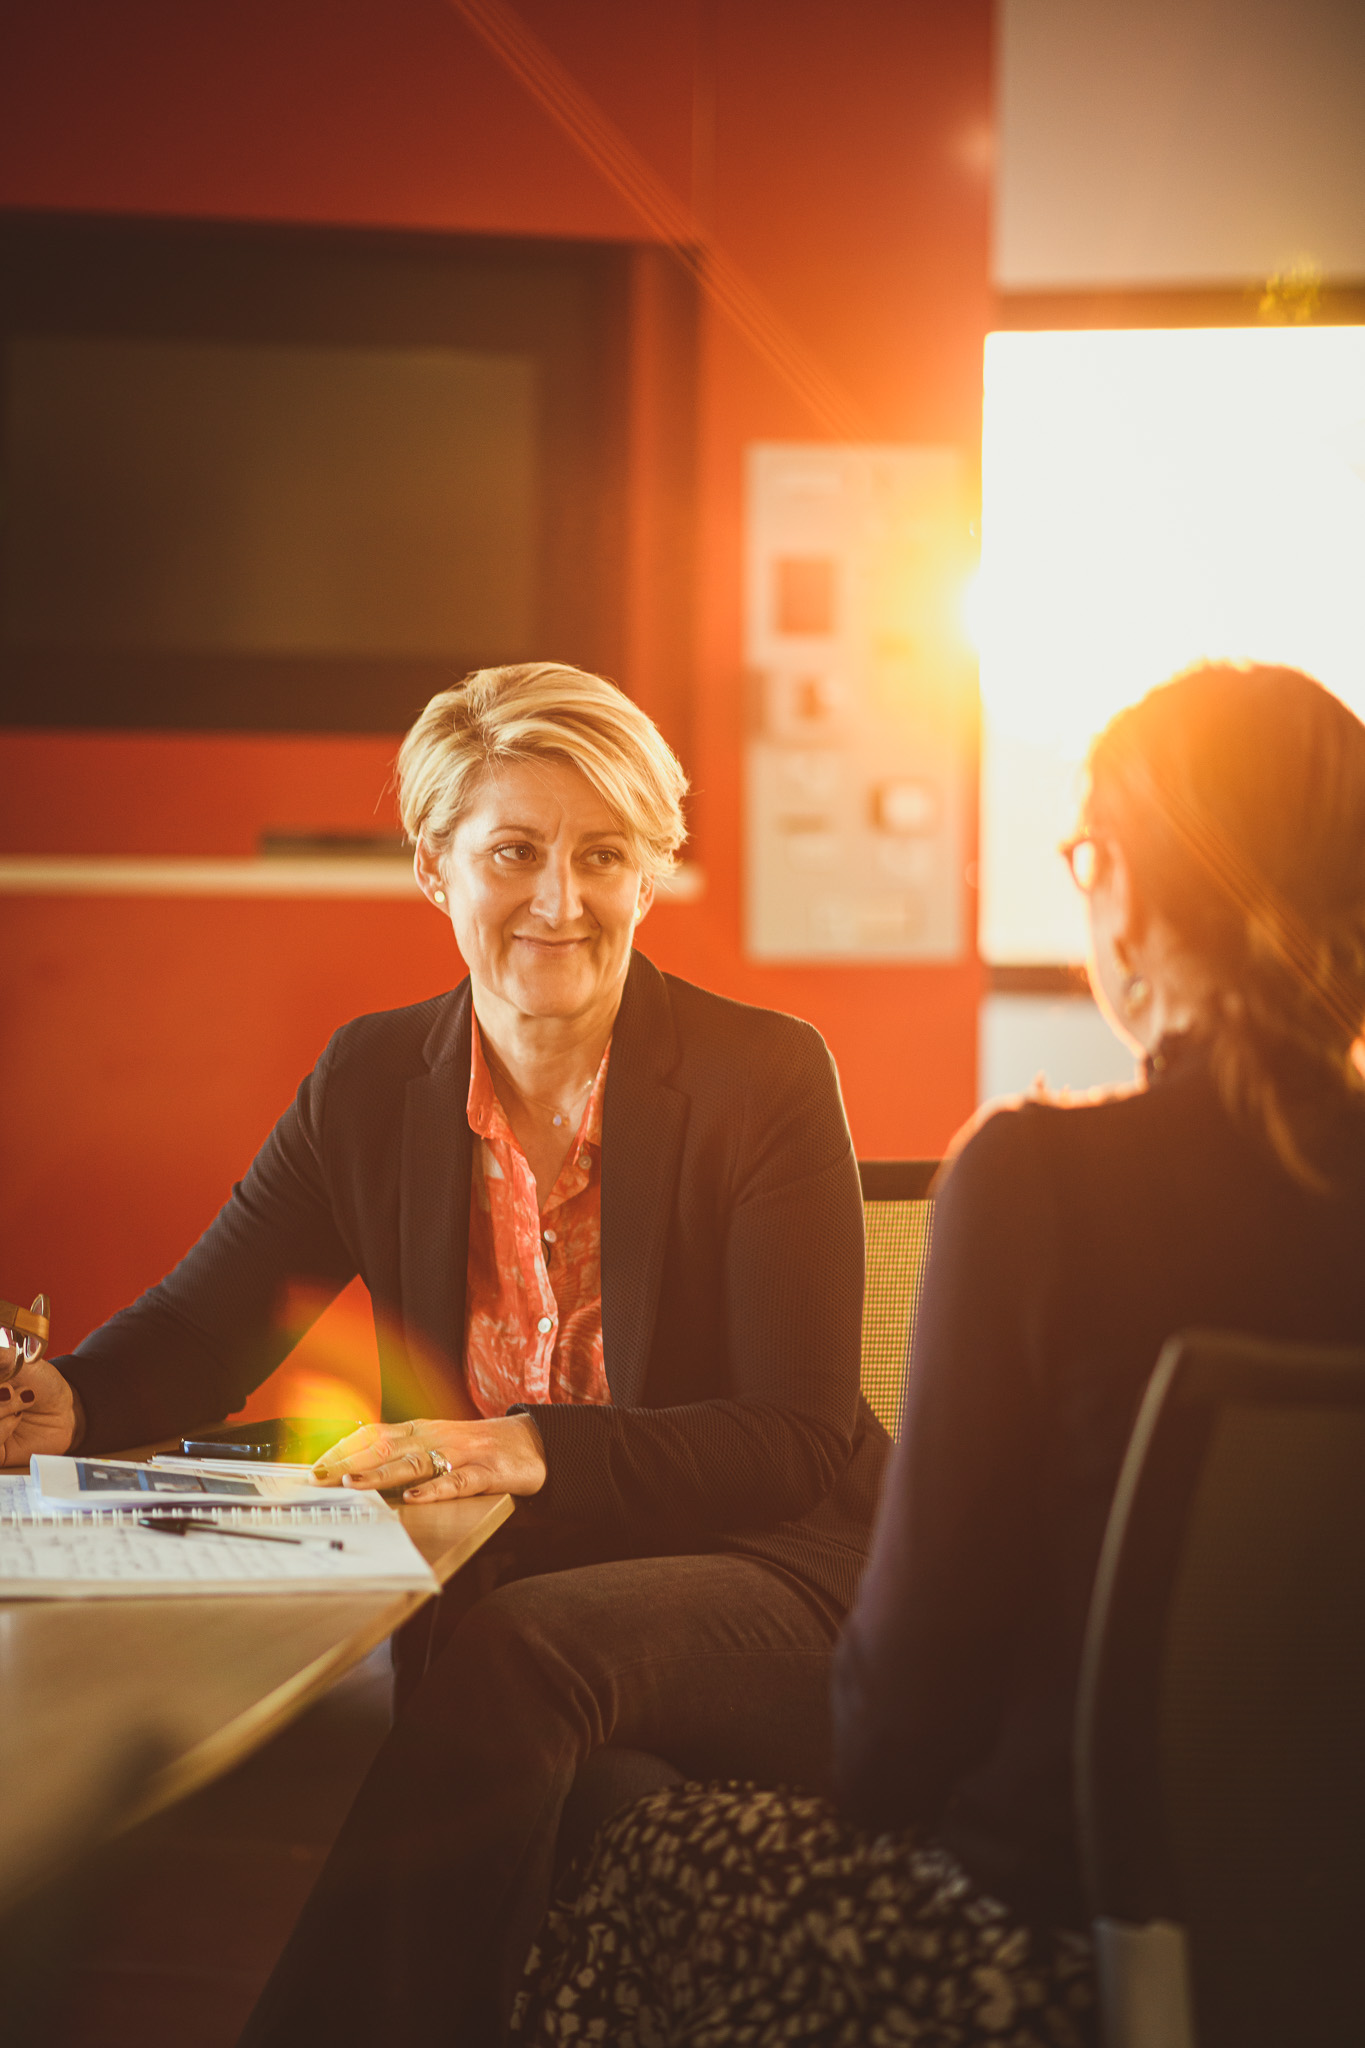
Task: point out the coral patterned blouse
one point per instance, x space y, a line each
533 1323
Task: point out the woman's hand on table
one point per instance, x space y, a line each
503 1454
37 1413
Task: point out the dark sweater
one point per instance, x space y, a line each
732 1266
1069 1244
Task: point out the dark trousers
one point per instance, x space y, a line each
420 1921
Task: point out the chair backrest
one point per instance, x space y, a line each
898 1216
1221 1730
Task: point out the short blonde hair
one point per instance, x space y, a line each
539 710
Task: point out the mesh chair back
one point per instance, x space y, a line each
898 1217
1221 1740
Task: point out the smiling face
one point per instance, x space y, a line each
543 891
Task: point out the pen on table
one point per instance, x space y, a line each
187 1525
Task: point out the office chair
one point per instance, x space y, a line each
897 1213
1221 1728
897 1220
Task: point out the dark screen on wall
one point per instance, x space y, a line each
298 479
203 498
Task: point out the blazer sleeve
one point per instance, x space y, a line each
793 1290
191 1349
927 1649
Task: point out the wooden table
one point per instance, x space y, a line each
191 1685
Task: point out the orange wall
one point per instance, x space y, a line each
839 150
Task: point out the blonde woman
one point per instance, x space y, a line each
612 1229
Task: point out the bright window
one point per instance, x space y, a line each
1150 497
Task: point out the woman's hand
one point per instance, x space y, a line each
501 1455
37 1413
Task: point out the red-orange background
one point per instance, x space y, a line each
838 150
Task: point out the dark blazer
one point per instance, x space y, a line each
1069 1244
732 1272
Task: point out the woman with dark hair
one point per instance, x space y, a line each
1222 855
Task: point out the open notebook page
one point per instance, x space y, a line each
47 1555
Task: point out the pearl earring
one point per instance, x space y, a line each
439 894
1137 994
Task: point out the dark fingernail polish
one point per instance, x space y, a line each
27 1394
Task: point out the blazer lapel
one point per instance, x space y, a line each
434 1215
644 1122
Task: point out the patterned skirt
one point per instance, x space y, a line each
723 1914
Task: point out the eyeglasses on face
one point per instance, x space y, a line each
1082 856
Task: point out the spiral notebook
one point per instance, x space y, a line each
340 1543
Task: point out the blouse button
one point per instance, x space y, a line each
548 1236
583 1159
544 1324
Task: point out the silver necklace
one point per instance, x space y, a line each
562 1116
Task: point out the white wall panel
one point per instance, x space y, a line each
862 698
1062 1038
1178 141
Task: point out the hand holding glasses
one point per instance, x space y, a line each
23 1335
37 1407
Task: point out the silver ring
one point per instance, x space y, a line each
441 1466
